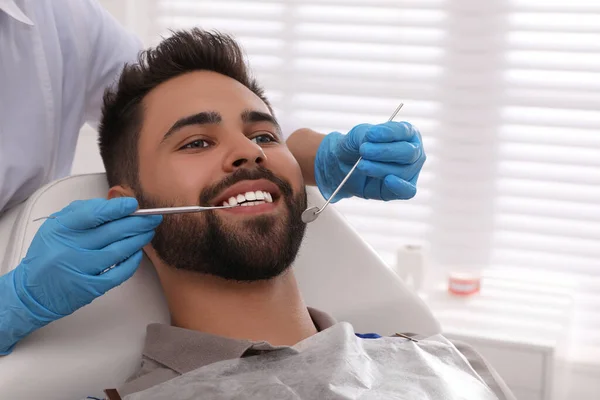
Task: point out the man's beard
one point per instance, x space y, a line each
261 247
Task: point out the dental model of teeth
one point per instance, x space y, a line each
249 199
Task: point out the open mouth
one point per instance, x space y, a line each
249 193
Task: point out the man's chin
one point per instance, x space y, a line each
267 226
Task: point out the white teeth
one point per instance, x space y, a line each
225 204
259 202
259 197
244 204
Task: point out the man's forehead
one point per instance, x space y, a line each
200 91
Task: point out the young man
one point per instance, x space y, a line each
57 57
188 125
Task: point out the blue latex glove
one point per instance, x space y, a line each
61 271
392 154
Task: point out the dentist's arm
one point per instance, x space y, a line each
109 47
304 144
62 270
392 152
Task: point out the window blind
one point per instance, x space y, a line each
507 96
547 190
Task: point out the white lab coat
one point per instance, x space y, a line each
56 58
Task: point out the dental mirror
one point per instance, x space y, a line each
311 214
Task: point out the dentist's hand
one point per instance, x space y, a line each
392 154
62 269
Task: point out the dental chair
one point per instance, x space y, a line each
99 346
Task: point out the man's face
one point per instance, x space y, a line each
206 140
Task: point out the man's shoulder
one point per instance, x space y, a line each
479 364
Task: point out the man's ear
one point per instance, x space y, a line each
120 191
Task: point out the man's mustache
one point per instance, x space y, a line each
244 174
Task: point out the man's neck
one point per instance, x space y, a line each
271 311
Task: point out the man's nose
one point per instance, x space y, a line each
244 154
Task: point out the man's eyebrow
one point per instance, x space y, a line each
202 118
249 116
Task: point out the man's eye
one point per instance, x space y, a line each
196 144
263 139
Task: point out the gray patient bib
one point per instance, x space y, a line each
335 364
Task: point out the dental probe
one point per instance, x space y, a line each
165 210
176 210
310 214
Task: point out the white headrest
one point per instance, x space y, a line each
100 345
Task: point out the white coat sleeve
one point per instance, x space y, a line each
110 46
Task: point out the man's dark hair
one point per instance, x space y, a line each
122 112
